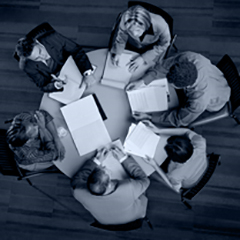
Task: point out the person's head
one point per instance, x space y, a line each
137 20
182 74
20 132
27 48
99 181
179 148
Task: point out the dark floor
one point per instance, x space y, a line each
210 27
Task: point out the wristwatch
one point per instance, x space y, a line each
88 73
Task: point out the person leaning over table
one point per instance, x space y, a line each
203 85
43 58
33 138
141 31
111 201
187 160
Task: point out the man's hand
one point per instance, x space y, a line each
134 64
60 149
134 85
89 80
40 119
118 153
102 154
115 59
141 116
151 126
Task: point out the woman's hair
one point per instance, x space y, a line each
16 134
179 148
24 49
137 15
97 181
182 74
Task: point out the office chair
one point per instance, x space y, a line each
169 20
39 31
189 193
123 227
231 74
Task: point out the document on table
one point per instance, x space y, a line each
71 91
150 98
86 125
115 167
117 76
141 141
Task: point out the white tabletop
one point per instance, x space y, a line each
114 103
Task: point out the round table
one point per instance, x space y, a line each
114 103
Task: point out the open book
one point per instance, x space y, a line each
150 98
86 125
117 76
71 91
111 163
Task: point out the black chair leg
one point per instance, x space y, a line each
236 119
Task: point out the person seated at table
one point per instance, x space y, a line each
43 58
203 86
187 157
33 138
111 201
141 31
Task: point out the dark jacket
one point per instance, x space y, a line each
59 48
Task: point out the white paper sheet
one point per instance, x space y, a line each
71 90
150 98
141 141
86 125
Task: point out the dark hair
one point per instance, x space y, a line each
179 148
24 47
97 183
16 134
182 74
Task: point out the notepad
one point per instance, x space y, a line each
86 125
71 91
111 163
150 98
117 76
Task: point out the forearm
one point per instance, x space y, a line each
79 180
133 169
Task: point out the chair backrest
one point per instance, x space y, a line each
213 161
156 10
227 66
120 227
39 31
7 162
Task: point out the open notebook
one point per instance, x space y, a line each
71 91
150 98
117 76
111 163
86 125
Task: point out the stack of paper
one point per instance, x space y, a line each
141 141
111 163
71 91
86 125
150 98
117 76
